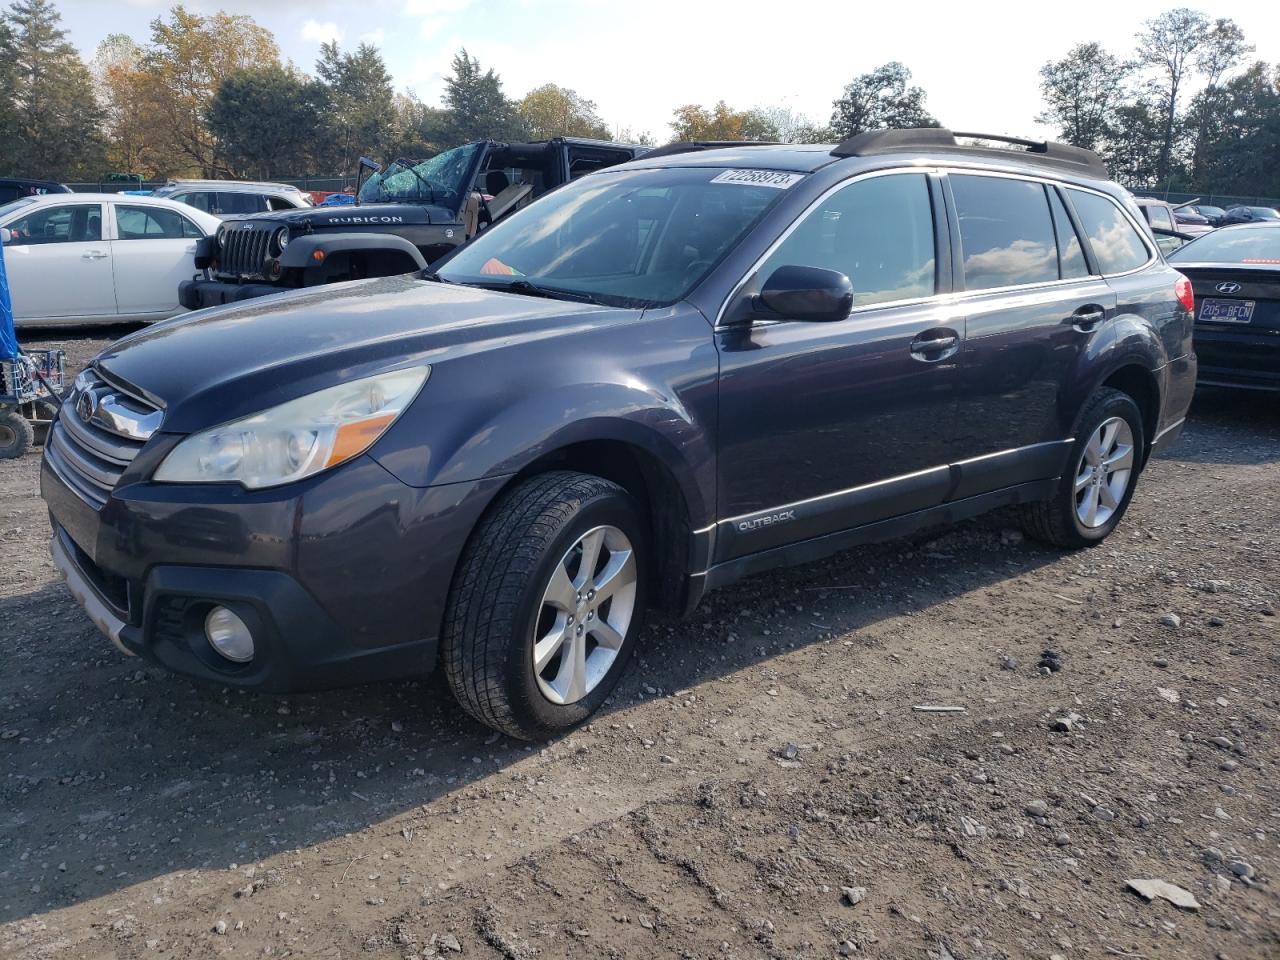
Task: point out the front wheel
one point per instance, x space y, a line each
16 435
546 604
1095 491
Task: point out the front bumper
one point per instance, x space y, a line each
198 294
342 581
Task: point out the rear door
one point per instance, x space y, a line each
58 263
152 252
1032 305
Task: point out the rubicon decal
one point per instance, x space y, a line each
768 520
369 219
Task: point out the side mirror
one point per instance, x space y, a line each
808 293
5 235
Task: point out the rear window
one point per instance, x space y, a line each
1006 232
1231 245
1115 241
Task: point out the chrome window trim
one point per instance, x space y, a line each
954 296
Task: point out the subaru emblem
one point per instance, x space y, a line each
1228 286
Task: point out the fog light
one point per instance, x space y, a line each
229 635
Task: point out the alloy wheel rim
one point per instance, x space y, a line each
584 615
1103 473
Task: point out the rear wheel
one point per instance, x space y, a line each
16 435
1095 490
546 604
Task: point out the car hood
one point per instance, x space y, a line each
215 365
357 214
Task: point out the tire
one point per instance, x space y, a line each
1064 520
499 617
16 435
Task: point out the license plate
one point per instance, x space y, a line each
1226 311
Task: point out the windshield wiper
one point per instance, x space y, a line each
531 289
435 277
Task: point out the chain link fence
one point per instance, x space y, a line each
330 184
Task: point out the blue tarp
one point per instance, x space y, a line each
8 338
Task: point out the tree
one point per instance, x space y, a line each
1223 50
1082 93
1131 152
188 58
1240 155
265 119
359 103
54 116
882 98
1169 47
721 122
419 130
477 105
121 87
551 111
791 127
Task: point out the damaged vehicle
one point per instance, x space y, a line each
407 214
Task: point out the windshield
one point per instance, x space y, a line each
626 238
18 204
1266 213
440 180
1233 245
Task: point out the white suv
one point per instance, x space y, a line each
225 198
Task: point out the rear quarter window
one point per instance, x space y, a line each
1115 241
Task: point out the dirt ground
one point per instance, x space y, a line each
759 786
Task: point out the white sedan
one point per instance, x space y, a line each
99 257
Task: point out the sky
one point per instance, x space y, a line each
638 61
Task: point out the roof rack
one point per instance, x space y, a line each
937 139
692 146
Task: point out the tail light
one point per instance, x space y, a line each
1186 296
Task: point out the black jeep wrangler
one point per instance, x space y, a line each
405 216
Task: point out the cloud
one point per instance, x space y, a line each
434 8
318 32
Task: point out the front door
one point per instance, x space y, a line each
827 426
59 265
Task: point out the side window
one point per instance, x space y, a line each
233 203
1006 232
150 223
73 223
1071 265
1159 217
199 199
279 203
878 232
1115 241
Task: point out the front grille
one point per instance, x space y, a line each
245 246
97 433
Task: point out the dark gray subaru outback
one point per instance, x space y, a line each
653 381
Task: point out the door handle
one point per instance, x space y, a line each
934 345
1087 318
92 255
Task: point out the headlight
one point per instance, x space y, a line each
282 238
222 236
298 438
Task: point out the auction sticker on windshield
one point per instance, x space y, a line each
759 178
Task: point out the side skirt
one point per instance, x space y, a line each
817 548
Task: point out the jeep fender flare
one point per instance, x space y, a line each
300 253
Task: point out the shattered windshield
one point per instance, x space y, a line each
440 180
